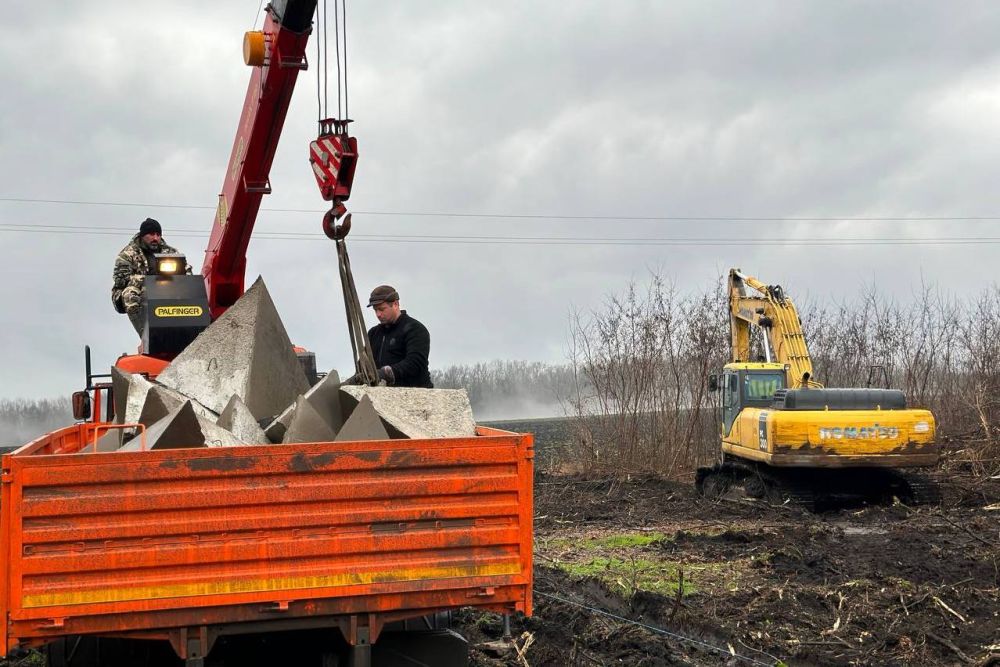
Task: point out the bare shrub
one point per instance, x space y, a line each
979 387
640 364
942 352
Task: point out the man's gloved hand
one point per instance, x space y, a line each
385 373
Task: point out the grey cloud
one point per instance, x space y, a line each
585 108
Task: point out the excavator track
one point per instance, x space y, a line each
816 489
920 489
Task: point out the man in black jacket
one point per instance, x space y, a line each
400 344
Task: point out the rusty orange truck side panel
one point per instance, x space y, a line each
145 543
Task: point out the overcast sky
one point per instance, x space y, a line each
629 109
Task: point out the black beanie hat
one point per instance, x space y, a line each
149 226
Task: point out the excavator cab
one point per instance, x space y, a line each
747 385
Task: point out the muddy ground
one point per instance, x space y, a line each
755 583
644 572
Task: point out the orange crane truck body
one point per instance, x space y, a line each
191 544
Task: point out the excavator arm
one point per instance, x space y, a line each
752 303
277 53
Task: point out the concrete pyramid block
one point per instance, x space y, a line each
183 428
138 388
214 435
158 404
108 442
120 381
308 425
161 401
363 424
324 396
179 429
245 352
419 413
238 420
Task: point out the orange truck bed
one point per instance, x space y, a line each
190 542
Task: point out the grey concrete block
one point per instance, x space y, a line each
324 396
245 352
138 387
363 423
308 425
120 381
238 420
214 435
161 401
158 404
419 413
183 428
108 442
179 429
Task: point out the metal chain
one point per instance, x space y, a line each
364 362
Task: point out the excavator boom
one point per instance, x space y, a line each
771 310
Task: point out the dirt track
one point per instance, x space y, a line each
864 586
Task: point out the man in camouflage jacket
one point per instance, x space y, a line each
135 262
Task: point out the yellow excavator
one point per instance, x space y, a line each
785 436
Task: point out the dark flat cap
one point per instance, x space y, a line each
383 293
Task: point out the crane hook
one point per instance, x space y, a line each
331 228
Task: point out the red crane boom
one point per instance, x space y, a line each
278 54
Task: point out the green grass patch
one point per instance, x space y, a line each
904 584
632 574
624 540
622 561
